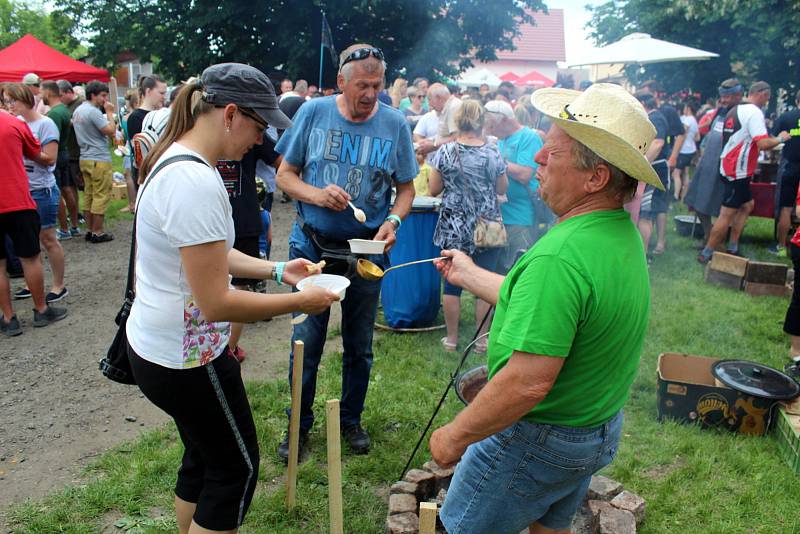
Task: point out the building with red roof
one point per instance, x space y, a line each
538 48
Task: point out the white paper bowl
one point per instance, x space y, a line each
337 284
366 246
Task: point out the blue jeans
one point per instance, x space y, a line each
359 310
47 201
525 474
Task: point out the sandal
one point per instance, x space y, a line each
447 346
480 346
658 251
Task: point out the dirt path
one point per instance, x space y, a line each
57 412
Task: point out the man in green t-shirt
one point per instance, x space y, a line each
568 329
62 116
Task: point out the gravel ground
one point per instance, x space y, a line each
57 412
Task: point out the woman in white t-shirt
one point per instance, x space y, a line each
688 149
180 321
42 181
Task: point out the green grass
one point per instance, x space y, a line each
694 481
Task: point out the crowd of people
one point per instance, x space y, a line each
204 160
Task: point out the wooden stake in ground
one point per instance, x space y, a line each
334 467
294 425
114 96
427 518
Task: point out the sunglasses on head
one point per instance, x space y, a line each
362 53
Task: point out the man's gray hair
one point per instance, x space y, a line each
301 86
622 186
370 64
438 90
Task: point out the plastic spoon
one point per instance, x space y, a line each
358 213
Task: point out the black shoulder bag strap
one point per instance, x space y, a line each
129 288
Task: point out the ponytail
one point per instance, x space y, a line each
187 107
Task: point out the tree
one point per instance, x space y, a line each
756 39
434 38
55 29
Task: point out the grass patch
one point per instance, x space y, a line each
694 481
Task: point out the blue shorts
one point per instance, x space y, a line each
47 201
525 474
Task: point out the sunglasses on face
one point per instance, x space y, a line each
362 53
258 120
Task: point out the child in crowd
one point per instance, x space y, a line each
421 181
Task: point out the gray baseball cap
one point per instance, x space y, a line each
246 86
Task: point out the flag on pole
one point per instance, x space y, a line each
327 39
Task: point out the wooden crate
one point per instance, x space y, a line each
119 192
761 290
730 264
723 279
762 272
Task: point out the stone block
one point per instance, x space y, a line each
443 476
400 503
630 502
615 521
603 489
407 523
425 481
440 497
403 487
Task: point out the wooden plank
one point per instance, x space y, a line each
334 467
728 263
294 425
723 279
762 272
427 518
763 290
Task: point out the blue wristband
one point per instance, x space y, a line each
279 267
396 219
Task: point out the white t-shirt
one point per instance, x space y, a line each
185 205
690 124
428 125
41 176
744 127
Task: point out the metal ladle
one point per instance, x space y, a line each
369 271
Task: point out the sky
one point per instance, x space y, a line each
576 16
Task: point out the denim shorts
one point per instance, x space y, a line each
47 201
525 474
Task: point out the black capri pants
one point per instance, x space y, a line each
210 408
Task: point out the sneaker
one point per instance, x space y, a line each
74 231
81 220
283 447
702 259
777 250
357 438
11 327
50 315
23 293
102 238
62 235
88 236
55 297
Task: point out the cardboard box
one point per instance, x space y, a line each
689 393
119 192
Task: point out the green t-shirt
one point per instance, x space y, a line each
61 116
582 293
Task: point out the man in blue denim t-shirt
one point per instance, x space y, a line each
346 148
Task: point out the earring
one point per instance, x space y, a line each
227 129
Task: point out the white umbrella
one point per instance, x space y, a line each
479 77
641 48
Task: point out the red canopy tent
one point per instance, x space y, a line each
509 77
29 54
536 79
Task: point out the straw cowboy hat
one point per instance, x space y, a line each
608 120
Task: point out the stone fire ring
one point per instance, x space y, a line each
608 509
